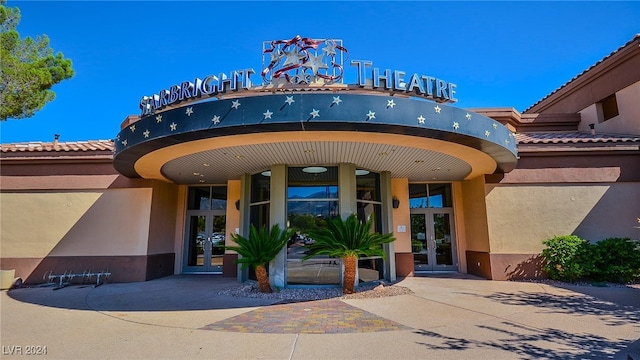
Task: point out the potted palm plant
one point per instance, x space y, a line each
348 239
259 249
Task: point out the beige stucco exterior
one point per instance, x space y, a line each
460 225
625 122
475 214
545 211
401 216
75 223
234 188
179 232
163 217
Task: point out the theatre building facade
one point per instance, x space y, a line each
463 190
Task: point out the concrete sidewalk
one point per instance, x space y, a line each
448 317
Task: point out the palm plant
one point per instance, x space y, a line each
348 239
259 249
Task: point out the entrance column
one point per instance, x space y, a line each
278 215
347 190
245 196
387 225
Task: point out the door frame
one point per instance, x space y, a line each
206 268
431 241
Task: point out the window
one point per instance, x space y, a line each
207 198
369 203
368 199
260 198
607 108
430 196
312 199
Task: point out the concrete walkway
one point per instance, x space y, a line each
447 317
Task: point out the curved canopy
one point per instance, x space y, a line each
216 140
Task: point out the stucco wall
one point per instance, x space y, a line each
475 215
522 216
78 223
460 225
163 218
234 190
401 215
628 120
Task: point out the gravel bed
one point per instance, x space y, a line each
364 291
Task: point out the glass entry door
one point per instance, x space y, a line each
204 242
433 240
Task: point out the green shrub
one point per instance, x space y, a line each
617 260
568 258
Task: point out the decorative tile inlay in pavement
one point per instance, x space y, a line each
312 317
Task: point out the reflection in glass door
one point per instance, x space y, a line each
204 242
312 199
432 240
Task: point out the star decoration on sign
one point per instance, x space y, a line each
146 133
159 119
189 111
421 119
289 100
267 115
118 138
315 63
495 126
391 103
292 57
276 56
456 125
315 113
125 142
506 141
329 49
235 104
132 127
336 100
302 78
487 133
173 126
371 115
287 58
438 109
216 119
468 116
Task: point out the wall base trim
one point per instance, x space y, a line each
479 264
505 266
404 265
123 268
517 266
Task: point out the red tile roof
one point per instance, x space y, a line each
573 138
70 146
522 138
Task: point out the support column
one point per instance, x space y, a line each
278 215
245 197
234 194
347 190
347 203
387 225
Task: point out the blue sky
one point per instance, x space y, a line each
500 54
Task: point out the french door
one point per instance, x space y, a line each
204 241
433 240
